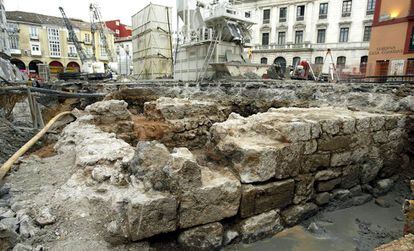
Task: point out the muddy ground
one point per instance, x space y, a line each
361 228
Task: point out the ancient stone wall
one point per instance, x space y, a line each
266 172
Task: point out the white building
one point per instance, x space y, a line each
290 30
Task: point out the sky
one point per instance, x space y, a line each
111 9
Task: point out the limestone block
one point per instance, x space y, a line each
304 188
331 126
341 159
350 176
218 198
380 137
377 123
206 237
297 213
260 226
322 198
182 171
370 170
109 111
327 174
147 165
257 199
341 142
141 215
329 185
315 162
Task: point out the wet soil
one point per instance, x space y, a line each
360 228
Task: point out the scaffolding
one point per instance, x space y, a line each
152 42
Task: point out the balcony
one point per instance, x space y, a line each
36 53
309 46
282 20
34 37
266 21
370 12
346 14
323 16
15 51
72 55
300 18
281 47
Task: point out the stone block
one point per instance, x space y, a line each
206 237
322 198
341 142
315 162
260 226
341 159
350 176
328 174
218 198
325 186
135 214
295 214
304 188
257 199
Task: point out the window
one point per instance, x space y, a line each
296 61
35 48
346 8
411 48
72 51
247 14
14 41
87 38
282 14
34 32
323 10
266 16
370 7
263 60
265 38
319 60
343 35
300 13
298 37
321 36
367 34
117 31
341 61
89 51
54 42
363 65
281 38
103 52
410 67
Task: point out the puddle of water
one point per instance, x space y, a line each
341 231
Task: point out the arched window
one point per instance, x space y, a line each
341 61
263 60
319 60
296 61
282 62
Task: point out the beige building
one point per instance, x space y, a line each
36 38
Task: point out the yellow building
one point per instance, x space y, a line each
36 38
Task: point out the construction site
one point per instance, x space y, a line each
195 146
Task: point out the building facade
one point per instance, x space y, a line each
288 31
123 45
40 39
4 36
392 44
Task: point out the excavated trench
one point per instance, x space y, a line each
205 166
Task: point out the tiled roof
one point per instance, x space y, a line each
34 18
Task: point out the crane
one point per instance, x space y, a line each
98 25
72 36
